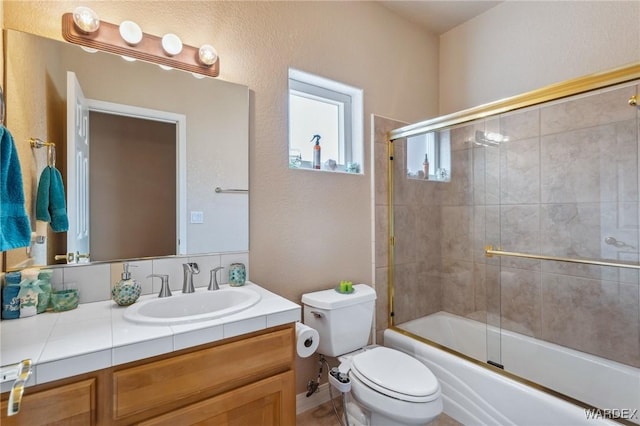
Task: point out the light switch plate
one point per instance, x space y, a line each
197 217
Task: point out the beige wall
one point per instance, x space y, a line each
519 46
35 109
308 230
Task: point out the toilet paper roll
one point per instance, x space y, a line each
307 340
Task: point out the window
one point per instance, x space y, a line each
327 114
429 156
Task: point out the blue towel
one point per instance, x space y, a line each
50 203
15 228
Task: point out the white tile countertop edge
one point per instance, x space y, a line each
96 336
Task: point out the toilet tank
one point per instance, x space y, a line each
343 321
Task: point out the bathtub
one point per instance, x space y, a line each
474 395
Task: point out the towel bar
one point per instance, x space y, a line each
230 191
51 149
490 252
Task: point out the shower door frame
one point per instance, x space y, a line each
552 92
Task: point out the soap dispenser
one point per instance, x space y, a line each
127 290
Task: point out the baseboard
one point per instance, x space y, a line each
320 397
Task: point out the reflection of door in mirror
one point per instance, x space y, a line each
135 215
131 205
78 171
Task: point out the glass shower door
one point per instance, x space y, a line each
568 189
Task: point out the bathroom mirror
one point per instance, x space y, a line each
214 152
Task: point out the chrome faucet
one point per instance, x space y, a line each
190 269
165 291
213 280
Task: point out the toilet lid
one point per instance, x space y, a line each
395 374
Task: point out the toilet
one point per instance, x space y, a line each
388 387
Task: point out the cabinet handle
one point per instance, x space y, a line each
15 396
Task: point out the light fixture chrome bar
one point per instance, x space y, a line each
490 252
230 191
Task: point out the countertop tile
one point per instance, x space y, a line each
67 367
146 349
96 335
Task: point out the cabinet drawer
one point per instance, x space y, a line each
269 402
72 404
160 385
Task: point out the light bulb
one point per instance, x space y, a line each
130 32
86 19
128 58
171 44
198 76
207 55
165 67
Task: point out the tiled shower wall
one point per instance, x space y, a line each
565 181
417 253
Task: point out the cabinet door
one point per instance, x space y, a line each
269 402
159 385
68 405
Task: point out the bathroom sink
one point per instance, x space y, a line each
202 305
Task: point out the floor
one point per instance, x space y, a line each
323 415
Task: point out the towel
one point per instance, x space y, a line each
15 228
50 203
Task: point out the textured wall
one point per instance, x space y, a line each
307 229
519 46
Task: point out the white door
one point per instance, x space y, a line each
77 170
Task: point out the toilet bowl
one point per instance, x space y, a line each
394 388
388 387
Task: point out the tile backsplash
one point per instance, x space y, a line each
94 281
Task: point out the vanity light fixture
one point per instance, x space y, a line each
127 41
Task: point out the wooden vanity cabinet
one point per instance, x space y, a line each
267 402
245 380
64 404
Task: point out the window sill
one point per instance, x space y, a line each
338 171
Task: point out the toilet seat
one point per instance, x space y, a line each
395 374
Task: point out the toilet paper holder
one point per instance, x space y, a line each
307 340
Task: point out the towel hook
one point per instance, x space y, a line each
51 149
